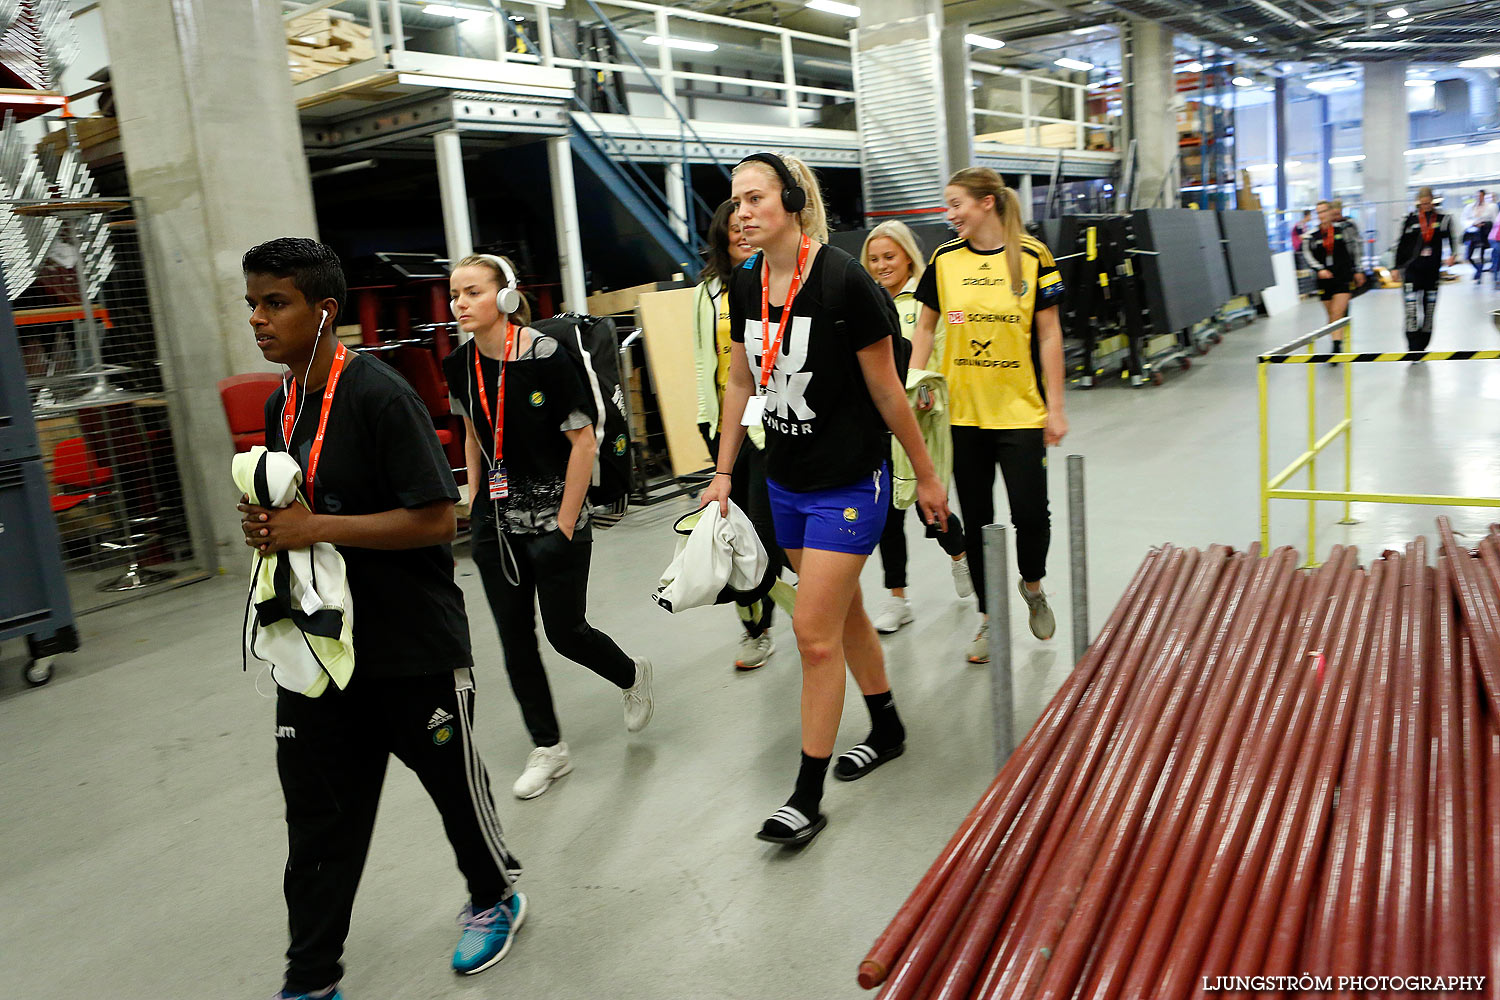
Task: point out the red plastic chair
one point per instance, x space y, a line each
76 475
244 398
420 368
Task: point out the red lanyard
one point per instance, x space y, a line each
1328 238
289 418
768 359
484 399
1427 227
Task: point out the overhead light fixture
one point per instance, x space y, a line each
1252 38
1482 62
1391 43
1078 64
1087 31
1421 83
1260 166
1347 159
1449 148
1243 81
981 42
1396 13
834 7
1329 86
458 13
1192 67
1294 163
682 43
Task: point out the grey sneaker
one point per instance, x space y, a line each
1043 624
963 584
979 649
755 650
544 765
638 704
894 613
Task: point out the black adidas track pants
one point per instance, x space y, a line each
331 754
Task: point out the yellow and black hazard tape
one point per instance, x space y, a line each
1351 359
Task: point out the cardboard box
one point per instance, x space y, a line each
624 300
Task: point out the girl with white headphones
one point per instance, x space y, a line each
530 448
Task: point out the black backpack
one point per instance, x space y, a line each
592 344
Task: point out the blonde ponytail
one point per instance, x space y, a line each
982 182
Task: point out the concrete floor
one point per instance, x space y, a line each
141 820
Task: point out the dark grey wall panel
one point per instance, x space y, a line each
1186 279
1247 249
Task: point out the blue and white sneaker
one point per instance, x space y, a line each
488 934
327 993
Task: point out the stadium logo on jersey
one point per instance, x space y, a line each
955 317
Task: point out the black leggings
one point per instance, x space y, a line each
1419 290
893 542
553 572
1022 458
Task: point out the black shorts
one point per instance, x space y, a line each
1339 284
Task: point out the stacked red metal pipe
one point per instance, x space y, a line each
1259 779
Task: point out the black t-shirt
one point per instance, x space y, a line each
822 428
380 453
544 397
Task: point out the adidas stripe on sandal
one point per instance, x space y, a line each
790 826
861 759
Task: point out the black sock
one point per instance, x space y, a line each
809 793
886 730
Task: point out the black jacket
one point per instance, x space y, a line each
1411 244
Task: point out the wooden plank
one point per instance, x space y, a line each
667 321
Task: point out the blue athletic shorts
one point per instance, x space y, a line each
847 519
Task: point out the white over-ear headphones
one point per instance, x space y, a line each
508 299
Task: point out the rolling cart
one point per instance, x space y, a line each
34 601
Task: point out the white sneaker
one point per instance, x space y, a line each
544 765
979 649
755 650
963 584
894 613
638 704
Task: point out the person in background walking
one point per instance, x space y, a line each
1482 218
891 256
1300 228
1331 251
727 250
529 445
998 290
1419 262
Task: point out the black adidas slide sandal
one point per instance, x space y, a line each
799 829
861 759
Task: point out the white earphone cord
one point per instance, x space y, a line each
297 418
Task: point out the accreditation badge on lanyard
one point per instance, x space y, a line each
755 407
499 482
289 419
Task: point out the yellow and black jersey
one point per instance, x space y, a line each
993 365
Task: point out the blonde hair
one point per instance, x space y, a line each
982 182
814 217
900 234
521 315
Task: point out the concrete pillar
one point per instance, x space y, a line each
915 105
565 219
1151 107
214 150
1278 112
453 193
1387 132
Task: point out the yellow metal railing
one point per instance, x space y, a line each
1303 351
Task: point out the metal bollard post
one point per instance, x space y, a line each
997 579
1078 552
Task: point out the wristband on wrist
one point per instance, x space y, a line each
717 473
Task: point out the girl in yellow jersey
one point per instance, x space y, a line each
727 250
997 290
891 256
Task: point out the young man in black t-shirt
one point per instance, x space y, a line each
381 493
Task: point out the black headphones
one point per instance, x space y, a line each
793 198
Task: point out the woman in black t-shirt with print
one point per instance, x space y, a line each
818 372
530 447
